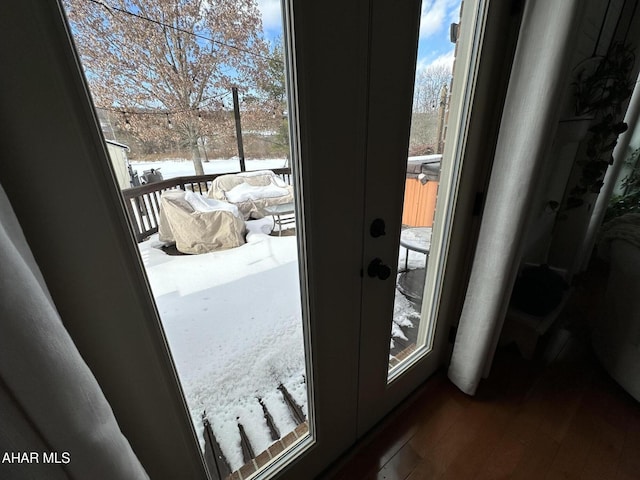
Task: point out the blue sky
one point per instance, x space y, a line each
435 47
436 16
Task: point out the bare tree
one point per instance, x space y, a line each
180 57
429 83
427 121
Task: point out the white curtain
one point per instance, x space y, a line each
50 402
536 85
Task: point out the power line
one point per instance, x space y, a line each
182 30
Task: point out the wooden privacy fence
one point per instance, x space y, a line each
421 190
419 203
143 203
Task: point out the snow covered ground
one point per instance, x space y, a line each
233 322
234 325
179 168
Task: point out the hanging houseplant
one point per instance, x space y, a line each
601 88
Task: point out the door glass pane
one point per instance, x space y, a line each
192 100
414 318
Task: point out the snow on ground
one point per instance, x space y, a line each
405 314
181 167
233 323
234 326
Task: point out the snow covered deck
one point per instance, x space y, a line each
234 326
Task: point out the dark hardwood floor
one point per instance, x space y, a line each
559 416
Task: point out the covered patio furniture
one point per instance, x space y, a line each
251 192
198 224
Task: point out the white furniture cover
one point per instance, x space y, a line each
198 224
251 192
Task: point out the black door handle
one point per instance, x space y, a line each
378 269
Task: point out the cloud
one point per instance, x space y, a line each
271 15
435 14
444 60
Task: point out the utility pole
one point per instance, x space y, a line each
441 121
236 113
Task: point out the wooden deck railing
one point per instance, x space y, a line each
143 202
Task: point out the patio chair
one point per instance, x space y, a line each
197 224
